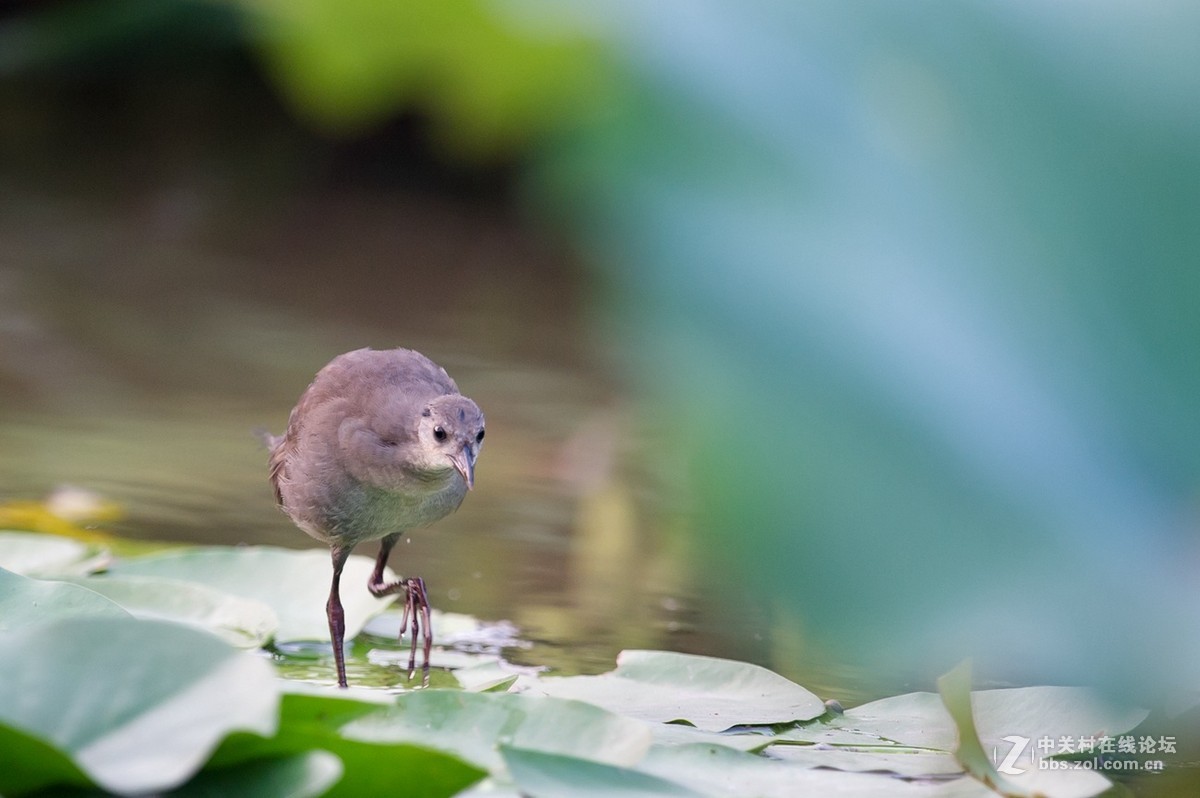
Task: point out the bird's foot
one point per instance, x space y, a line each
416 612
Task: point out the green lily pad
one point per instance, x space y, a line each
293 583
241 622
919 720
494 675
1054 712
863 731
717 770
32 554
542 775
471 724
900 760
311 721
304 775
25 602
28 763
913 734
1019 779
137 705
667 734
710 693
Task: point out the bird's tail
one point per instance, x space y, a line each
269 440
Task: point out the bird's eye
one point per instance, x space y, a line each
388 441
439 433
479 437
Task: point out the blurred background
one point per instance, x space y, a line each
848 340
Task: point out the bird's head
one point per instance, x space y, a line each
450 435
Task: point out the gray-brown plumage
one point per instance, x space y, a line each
379 443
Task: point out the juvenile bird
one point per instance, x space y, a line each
381 442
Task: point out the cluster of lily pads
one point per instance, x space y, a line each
151 677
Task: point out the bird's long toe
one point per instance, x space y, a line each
417 615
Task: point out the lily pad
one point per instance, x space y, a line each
710 693
955 689
137 705
304 775
542 775
25 602
311 721
864 730
30 763
1054 712
914 719
921 719
293 583
717 770
346 697
496 675
667 734
241 622
32 554
913 734
900 760
471 724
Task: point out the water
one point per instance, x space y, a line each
146 334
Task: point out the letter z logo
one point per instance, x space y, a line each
1019 744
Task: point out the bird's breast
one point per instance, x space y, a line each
367 512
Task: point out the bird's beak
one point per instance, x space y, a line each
464 463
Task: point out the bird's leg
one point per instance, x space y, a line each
337 617
416 604
377 586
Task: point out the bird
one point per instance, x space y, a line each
380 443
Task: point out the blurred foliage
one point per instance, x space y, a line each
913 289
490 85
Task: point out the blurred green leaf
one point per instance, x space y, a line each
30 763
955 689
911 293
241 622
137 705
25 602
370 767
298 776
471 724
490 81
